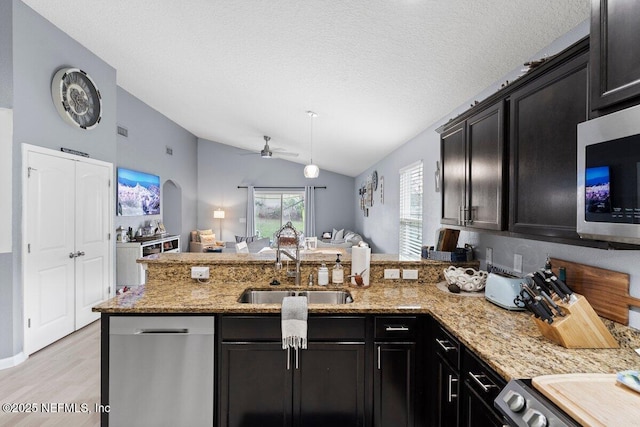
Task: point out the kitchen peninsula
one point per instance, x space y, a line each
247 341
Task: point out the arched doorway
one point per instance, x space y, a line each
172 209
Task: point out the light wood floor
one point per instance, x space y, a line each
66 372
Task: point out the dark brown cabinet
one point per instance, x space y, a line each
454 165
262 384
445 377
463 385
394 379
255 385
543 138
480 386
473 170
614 56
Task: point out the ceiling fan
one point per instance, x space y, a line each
268 152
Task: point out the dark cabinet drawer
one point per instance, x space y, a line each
268 328
447 346
481 378
403 328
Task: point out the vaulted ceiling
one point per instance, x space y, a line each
377 72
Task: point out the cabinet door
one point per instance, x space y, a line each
447 398
329 385
255 385
614 62
453 152
477 413
394 385
485 136
544 116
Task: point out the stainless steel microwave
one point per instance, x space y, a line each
609 177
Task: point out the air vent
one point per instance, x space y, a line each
123 131
169 151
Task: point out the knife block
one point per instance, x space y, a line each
579 328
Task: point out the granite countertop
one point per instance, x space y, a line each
194 258
508 341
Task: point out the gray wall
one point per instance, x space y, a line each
6 53
222 168
38 49
7 291
145 149
426 146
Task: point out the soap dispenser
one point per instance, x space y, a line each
323 275
337 277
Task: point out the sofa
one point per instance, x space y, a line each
202 239
343 239
254 245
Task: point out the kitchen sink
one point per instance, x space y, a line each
268 296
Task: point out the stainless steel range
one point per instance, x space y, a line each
523 406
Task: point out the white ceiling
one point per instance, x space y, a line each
377 72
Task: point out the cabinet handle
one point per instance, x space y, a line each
445 344
80 253
379 358
396 329
72 255
162 331
451 395
288 358
485 387
297 358
460 208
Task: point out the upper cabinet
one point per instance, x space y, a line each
509 163
473 159
544 115
614 57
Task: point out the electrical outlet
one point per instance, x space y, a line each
391 273
517 263
199 272
489 256
409 274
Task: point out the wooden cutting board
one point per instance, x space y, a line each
592 399
606 290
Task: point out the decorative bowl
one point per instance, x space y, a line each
468 279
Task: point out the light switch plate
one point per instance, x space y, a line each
409 274
391 273
199 272
517 263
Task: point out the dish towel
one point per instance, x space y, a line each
294 322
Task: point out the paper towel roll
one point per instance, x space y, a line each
360 261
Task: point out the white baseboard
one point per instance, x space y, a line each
10 362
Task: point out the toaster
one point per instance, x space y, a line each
502 290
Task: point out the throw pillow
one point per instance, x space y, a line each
245 239
208 239
207 232
348 235
338 235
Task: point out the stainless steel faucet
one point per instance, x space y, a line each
295 258
288 236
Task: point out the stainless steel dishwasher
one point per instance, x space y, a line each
161 371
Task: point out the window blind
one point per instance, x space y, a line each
411 210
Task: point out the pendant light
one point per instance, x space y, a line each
311 170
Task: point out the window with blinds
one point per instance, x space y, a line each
411 210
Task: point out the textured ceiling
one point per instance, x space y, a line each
377 72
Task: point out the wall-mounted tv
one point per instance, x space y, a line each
597 190
138 193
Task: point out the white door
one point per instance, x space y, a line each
91 239
68 254
49 266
